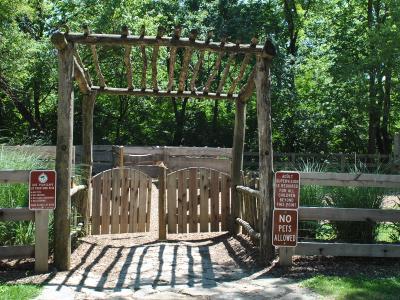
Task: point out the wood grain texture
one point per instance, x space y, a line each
182 201
13 252
214 200
204 198
41 241
96 204
226 223
193 200
16 214
124 210
106 202
134 201
115 200
171 202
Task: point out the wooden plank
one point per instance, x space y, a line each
124 201
96 204
142 203
179 151
182 201
346 179
117 40
192 200
347 249
162 182
285 256
349 214
214 200
225 202
41 241
16 214
204 198
106 202
171 202
115 200
11 252
14 176
133 201
149 197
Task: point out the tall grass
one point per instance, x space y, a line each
16 195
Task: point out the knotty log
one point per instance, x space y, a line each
172 58
243 66
87 155
144 67
62 214
225 73
128 65
80 78
213 73
247 190
263 86
250 231
247 90
237 160
154 59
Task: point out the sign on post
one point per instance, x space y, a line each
287 187
286 203
42 190
285 228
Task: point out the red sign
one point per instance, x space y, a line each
287 187
284 231
42 190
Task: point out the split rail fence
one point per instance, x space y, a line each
41 218
250 215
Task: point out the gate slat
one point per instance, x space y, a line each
225 203
142 203
105 203
116 199
96 204
204 196
215 199
171 202
133 201
182 201
193 200
148 215
124 200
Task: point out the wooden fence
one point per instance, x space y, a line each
251 207
41 218
175 158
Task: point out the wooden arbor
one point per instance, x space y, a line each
187 84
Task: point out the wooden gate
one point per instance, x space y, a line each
198 199
121 201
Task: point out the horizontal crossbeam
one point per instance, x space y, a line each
121 40
151 92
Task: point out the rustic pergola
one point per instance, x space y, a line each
71 67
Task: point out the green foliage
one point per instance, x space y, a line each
19 291
354 287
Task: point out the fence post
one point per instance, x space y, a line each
118 156
162 184
41 241
342 162
397 145
285 256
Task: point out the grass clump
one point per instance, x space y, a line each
354 287
19 291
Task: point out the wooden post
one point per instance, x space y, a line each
87 156
285 256
41 241
118 156
396 151
237 161
62 214
263 85
162 184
